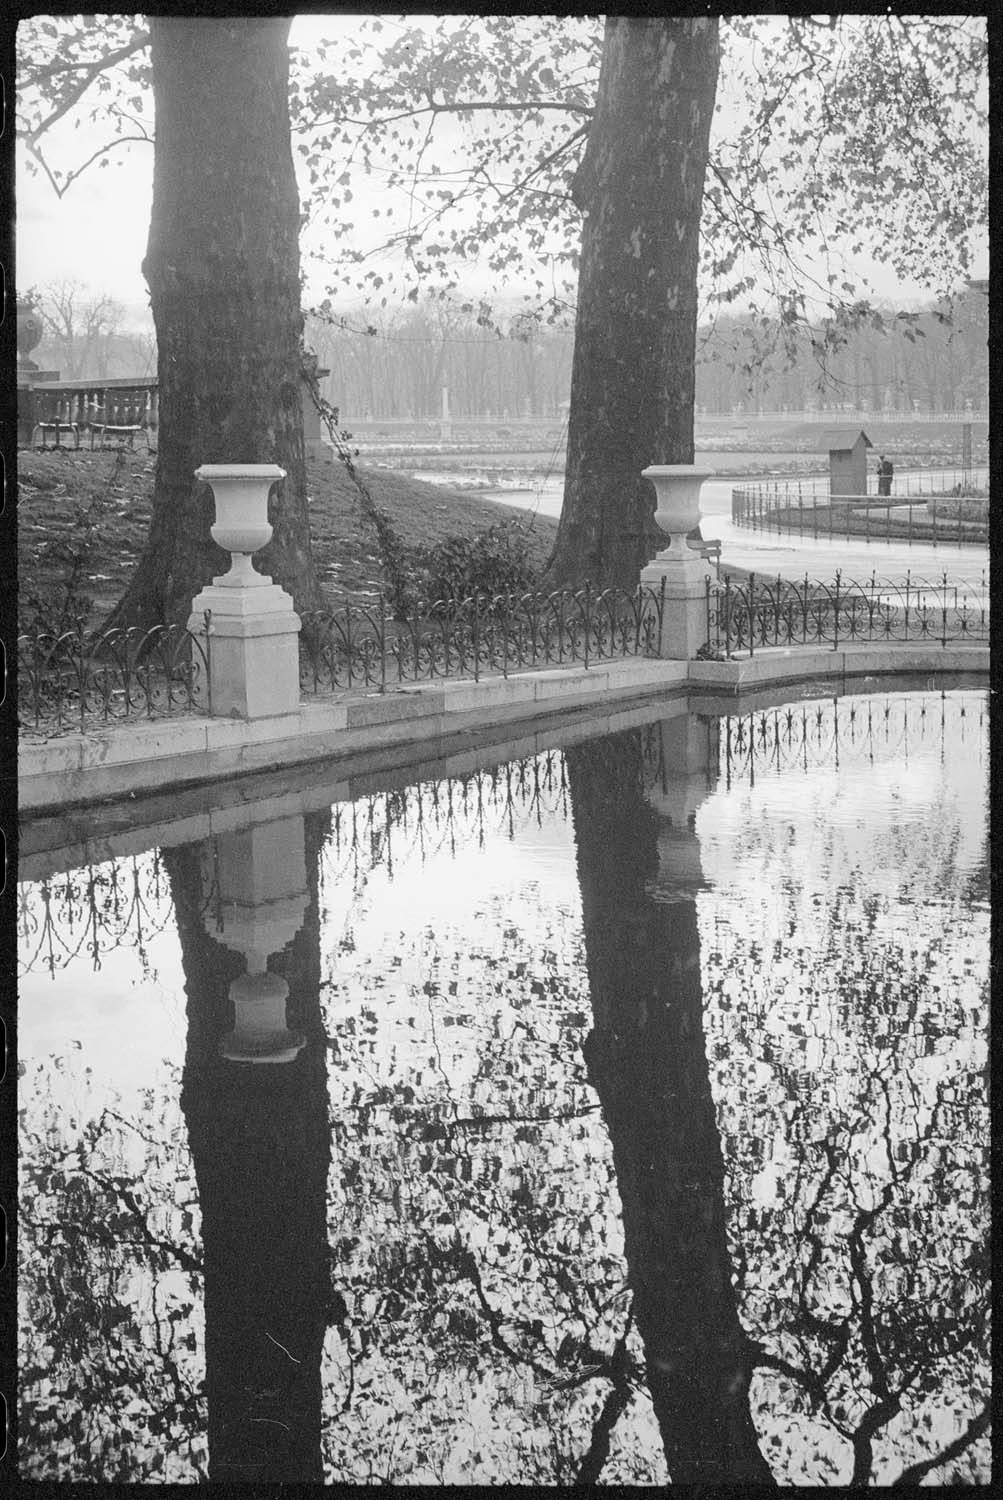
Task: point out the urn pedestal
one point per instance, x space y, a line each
255 890
253 645
683 571
688 763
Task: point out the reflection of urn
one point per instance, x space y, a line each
260 900
241 526
260 1034
29 332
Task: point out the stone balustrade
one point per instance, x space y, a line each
65 410
114 408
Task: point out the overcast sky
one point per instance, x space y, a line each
96 234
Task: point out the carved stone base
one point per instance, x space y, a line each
253 650
684 619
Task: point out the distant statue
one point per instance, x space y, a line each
29 332
885 471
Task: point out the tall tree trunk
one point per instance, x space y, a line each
640 186
222 264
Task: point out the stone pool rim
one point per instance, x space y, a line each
76 770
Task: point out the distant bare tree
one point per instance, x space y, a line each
78 327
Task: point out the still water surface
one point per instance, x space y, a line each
614 1115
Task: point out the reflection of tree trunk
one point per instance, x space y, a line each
261 1148
647 1061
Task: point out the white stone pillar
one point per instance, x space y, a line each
255 889
253 644
683 571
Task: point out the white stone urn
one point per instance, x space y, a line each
677 488
260 1033
241 527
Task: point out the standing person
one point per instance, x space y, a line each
885 472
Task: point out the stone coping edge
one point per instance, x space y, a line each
85 768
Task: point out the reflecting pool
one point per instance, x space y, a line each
612 1114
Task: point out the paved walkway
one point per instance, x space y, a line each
791 556
773 552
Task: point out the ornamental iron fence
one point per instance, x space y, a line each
75 681
363 646
758 612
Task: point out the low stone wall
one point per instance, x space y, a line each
73 769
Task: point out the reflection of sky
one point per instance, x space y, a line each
120 1022
845 980
889 806
435 976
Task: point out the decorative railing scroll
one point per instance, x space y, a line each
483 636
76 681
756 612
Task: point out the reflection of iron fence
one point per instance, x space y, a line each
98 909
807 736
805 508
123 903
117 904
71 680
761 612
483 636
385 828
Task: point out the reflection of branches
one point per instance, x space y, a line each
616 1403
915 1472
863 1319
469 1266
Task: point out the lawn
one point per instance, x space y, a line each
114 492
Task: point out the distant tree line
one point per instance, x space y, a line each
396 363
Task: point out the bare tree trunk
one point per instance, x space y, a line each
640 186
222 265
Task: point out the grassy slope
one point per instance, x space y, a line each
119 487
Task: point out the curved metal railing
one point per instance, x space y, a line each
927 507
72 680
758 612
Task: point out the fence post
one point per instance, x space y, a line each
588 619
505 626
752 614
835 629
383 642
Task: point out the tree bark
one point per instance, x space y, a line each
222 265
640 186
